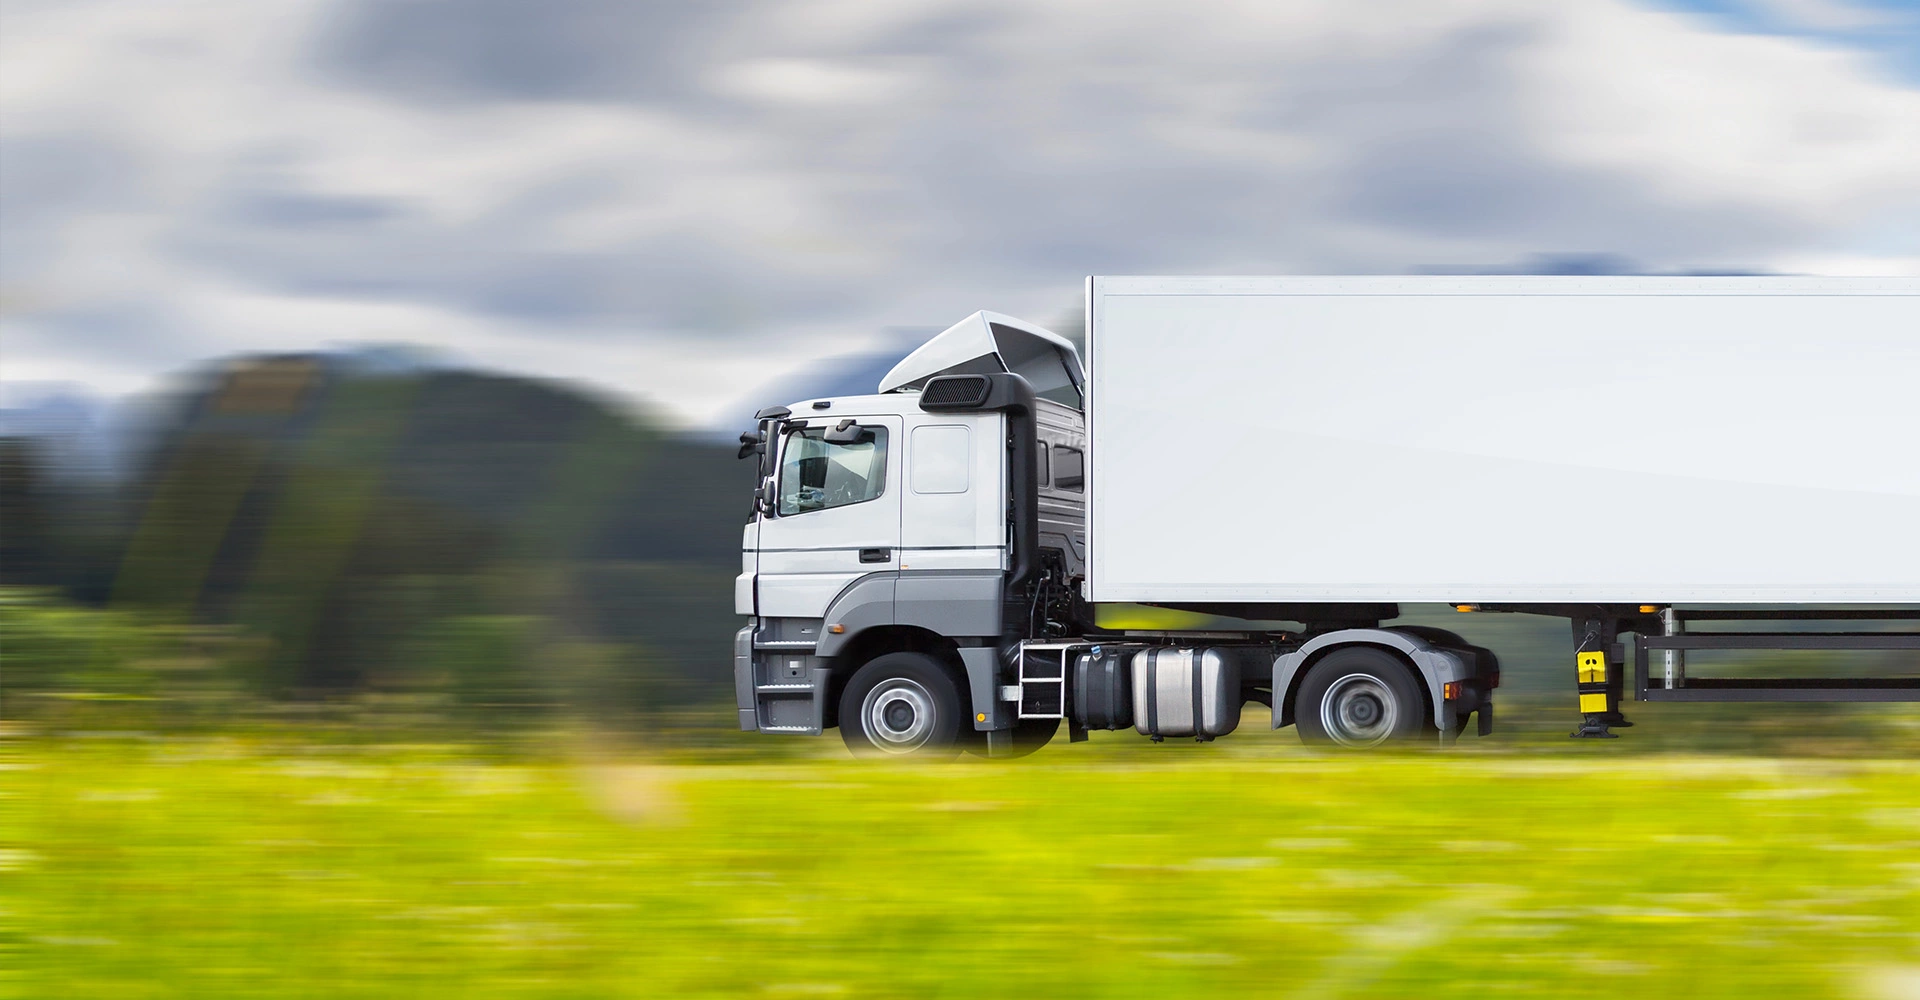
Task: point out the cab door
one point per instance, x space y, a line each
836 515
952 510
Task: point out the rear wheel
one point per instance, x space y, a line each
901 704
1357 698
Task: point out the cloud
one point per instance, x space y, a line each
561 50
678 199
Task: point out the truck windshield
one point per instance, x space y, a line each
815 475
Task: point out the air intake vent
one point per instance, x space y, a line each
955 392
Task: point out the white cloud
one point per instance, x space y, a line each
1779 125
676 204
812 81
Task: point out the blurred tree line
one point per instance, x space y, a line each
323 531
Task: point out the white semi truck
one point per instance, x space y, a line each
925 568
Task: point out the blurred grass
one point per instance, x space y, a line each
167 829
235 866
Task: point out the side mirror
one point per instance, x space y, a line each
845 432
752 443
768 496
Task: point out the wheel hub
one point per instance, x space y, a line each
899 715
1359 711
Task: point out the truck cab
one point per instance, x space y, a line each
882 528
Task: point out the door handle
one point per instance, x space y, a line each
876 555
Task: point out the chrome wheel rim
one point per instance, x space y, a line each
899 714
1359 710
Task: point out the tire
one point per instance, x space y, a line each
1028 735
901 705
1358 698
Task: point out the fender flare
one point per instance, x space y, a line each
1435 665
862 604
957 604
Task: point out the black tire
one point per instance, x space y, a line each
1028 735
901 705
1358 698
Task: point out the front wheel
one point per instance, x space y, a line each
1357 698
901 704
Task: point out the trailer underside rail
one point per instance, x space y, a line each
1676 686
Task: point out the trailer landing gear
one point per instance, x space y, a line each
1600 671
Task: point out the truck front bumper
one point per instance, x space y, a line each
743 679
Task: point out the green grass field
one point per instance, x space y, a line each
213 867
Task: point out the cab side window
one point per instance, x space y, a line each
817 475
1069 469
940 459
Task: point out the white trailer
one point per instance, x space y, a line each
1630 454
1458 439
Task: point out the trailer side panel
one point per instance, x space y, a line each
1668 440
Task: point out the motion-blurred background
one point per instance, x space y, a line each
393 347
369 368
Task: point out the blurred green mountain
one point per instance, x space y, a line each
519 544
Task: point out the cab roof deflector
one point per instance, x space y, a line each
986 343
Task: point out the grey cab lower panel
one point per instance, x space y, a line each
952 603
791 633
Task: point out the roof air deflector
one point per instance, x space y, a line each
988 343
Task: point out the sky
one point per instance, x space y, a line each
685 203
